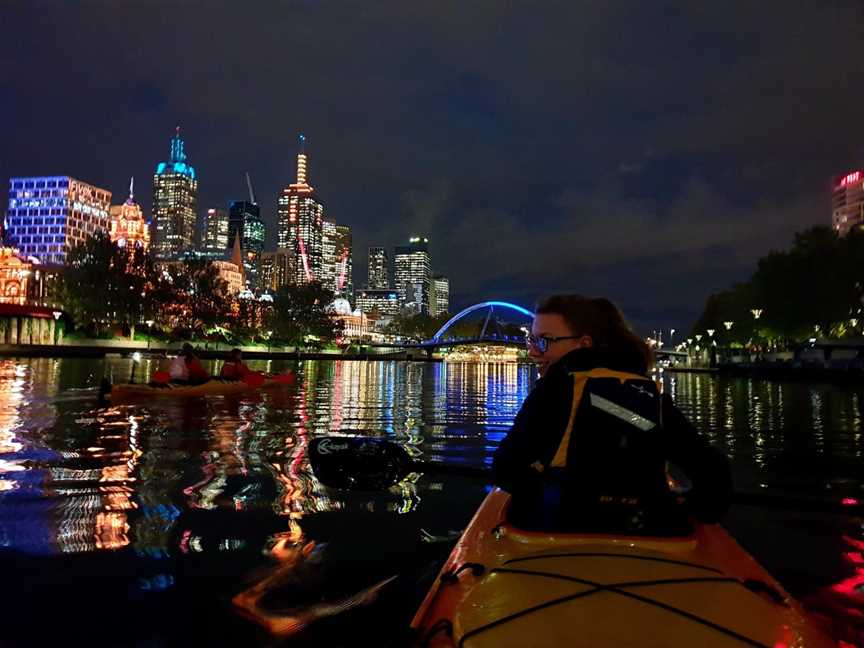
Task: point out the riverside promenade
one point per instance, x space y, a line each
91 348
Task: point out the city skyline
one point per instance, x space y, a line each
493 133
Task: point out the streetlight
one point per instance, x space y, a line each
149 324
56 315
136 358
698 337
710 332
757 312
269 336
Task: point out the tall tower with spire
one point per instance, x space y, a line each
175 201
127 223
300 226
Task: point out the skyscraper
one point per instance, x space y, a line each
128 225
847 202
175 200
214 233
413 275
47 216
245 217
301 218
344 261
379 269
328 255
275 270
439 296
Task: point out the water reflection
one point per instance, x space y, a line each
157 484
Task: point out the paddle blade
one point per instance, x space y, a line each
254 379
358 463
161 377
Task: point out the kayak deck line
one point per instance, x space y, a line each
538 588
611 555
617 588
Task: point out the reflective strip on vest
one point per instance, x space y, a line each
559 460
622 413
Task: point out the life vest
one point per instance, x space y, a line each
613 445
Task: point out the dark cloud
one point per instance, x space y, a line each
647 151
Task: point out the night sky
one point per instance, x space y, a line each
649 152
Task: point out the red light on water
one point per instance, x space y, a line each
849 501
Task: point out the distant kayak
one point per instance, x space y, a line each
503 586
216 386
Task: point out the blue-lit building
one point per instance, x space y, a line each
48 216
244 217
175 201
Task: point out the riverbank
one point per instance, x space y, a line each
778 372
102 348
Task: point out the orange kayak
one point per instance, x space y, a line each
502 586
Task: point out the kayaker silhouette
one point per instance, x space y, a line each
234 368
186 368
588 450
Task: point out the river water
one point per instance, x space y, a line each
136 524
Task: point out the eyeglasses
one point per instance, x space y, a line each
542 342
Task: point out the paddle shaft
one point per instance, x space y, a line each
796 502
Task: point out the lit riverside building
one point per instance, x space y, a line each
214 233
300 226
344 265
379 269
245 217
328 255
47 216
439 296
175 200
847 202
385 302
128 225
413 275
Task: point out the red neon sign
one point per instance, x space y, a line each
855 176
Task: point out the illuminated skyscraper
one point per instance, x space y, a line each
128 225
301 218
214 233
413 275
47 216
328 255
245 218
847 202
175 200
344 262
439 296
379 269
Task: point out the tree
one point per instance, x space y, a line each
105 284
299 312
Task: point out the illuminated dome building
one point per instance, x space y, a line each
128 225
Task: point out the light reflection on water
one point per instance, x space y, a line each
155 484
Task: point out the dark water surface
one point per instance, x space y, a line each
136 524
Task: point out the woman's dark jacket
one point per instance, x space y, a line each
608 455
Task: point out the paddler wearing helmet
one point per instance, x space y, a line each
593 444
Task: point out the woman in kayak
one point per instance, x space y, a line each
186 368
234 368
589 447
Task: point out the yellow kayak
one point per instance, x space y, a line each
216 386
502 586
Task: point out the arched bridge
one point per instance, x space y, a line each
491 333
